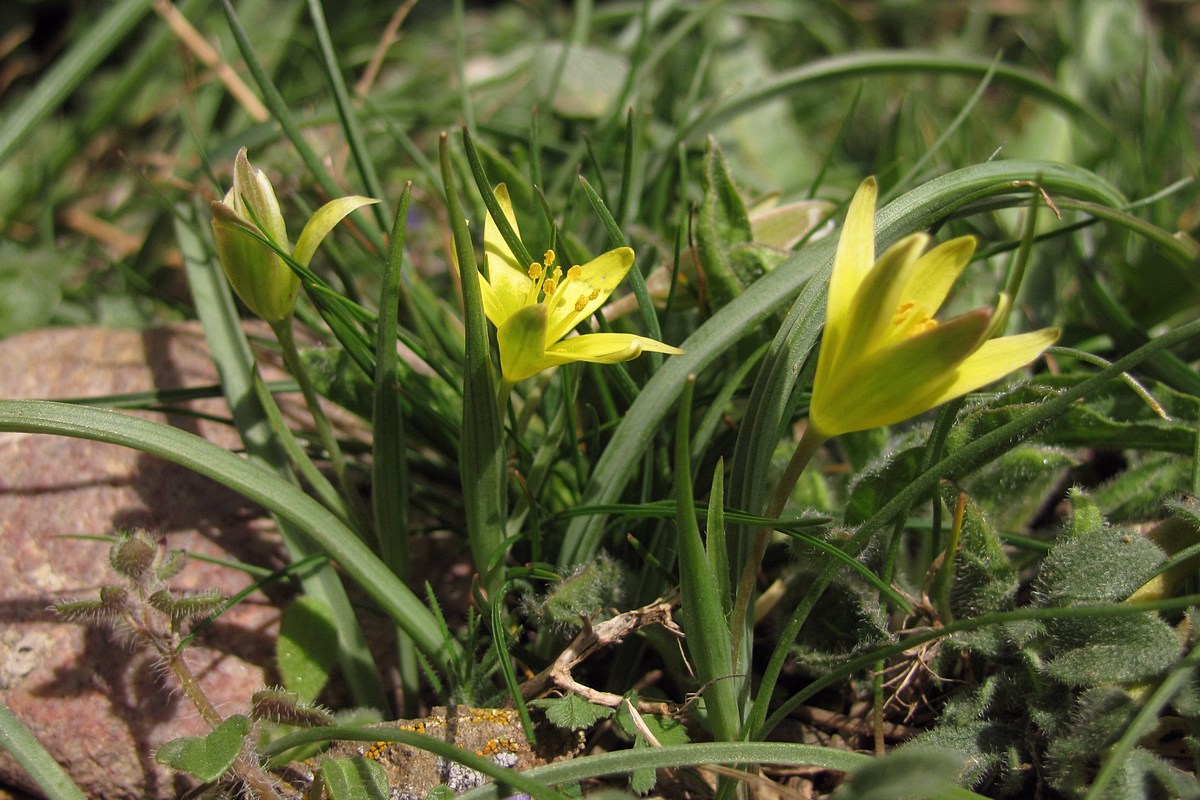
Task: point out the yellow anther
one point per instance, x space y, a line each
902 312
548 258
549 285
595 293
575 272
536 271
580 304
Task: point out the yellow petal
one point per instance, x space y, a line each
509 279
583 295
875 304
854 258
931 279
321 223
995 359
494 245
605 348
522 341
897 382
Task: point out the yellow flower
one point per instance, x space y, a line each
535 306
260 277
883 357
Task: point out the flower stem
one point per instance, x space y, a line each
810 441
291 359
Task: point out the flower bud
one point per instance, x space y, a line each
260 277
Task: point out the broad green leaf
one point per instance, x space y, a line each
206 757
909 772
306 650
354 779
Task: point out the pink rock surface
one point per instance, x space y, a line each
100 706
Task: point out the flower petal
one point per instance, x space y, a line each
854 258
579 297
995 359
522 340
321 223
605 348
509 279
932 276
874 307
253 198
897 382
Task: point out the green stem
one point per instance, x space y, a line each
291 359
810 441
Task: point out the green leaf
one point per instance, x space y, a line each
722 223
1110 650
1097 566
47 773
206 757
354 779
572 712
920 771
307 647
666 731
1011 488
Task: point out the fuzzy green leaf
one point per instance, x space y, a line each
1111 650
1097 566
354 779
206 757
910 772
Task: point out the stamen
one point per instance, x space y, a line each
548 258
536 271
580 304
902 312
549 285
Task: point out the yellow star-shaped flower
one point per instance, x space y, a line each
884 358
535 306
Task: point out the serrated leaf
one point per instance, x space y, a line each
307 647
664 730
206 757
354 779
572 712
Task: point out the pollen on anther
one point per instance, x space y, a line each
548 258
549 286
580 304
575 272
902 312
535 271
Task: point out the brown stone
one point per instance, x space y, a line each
99 705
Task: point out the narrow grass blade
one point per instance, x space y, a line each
389 483
704 621
346 112
481 463
77 65
49 776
